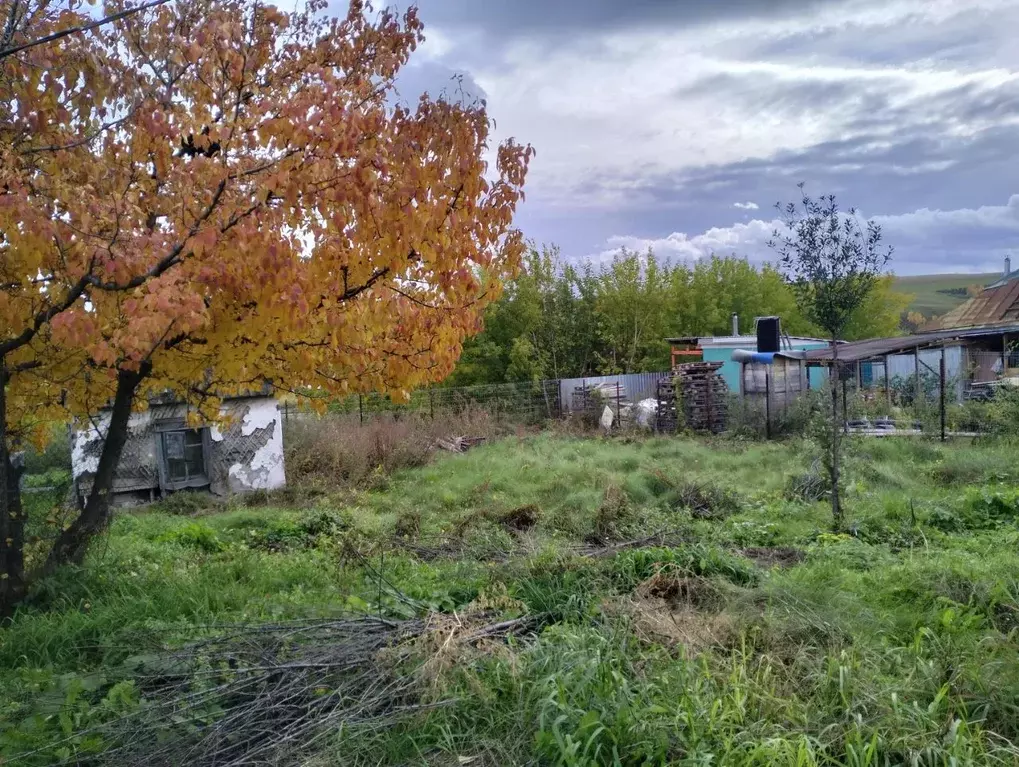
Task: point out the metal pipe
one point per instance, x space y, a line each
735 324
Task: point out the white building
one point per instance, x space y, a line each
163 454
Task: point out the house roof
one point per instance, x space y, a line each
877 347
996 304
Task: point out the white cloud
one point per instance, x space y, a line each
745 205
749 240
925 241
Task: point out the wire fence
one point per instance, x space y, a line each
528 402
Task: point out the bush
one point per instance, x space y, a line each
810 486
186 503
630 568
306 531
1003 413
338 450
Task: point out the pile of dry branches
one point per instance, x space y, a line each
268 694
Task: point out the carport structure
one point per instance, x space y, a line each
958 358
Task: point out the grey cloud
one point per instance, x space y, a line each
774 96
567 17
892 154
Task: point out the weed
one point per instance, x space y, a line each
194 535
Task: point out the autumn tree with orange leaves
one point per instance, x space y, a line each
208 196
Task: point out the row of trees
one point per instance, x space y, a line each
559 319
205 196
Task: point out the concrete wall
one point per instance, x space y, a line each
245 451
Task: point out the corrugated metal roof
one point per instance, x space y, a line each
877 347
1013 275
993 306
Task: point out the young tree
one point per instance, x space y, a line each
228 198
833 261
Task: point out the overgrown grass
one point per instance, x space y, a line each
691 608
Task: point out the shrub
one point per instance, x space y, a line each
187 503
748 418
1003 413
306 531
812 485
338 450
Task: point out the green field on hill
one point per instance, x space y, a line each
936 294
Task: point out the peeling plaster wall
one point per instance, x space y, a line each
245 450
138 469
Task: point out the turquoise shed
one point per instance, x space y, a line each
720 349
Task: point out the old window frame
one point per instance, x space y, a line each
170 425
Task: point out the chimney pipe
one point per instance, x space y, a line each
735 324
1008 265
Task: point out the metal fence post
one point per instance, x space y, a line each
845 403
918 391
943 434
431 404
619 412
767 402
360 408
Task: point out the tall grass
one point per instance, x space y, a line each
339 450
748 636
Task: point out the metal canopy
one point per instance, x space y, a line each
858 351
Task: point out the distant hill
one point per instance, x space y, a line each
935 294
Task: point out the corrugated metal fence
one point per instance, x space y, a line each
633 386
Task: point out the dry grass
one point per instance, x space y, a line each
338 450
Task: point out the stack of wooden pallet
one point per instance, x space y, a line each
667 418
702 393
592 399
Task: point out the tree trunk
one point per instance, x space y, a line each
12 517
72 544
836 441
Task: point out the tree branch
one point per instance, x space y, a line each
74 30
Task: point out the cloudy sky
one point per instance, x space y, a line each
679 124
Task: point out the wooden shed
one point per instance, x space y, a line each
776 377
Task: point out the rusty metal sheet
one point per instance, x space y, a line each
992 306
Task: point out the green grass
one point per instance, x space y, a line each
895 644
928 290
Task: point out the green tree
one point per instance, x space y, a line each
633 301
833 261
880 315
